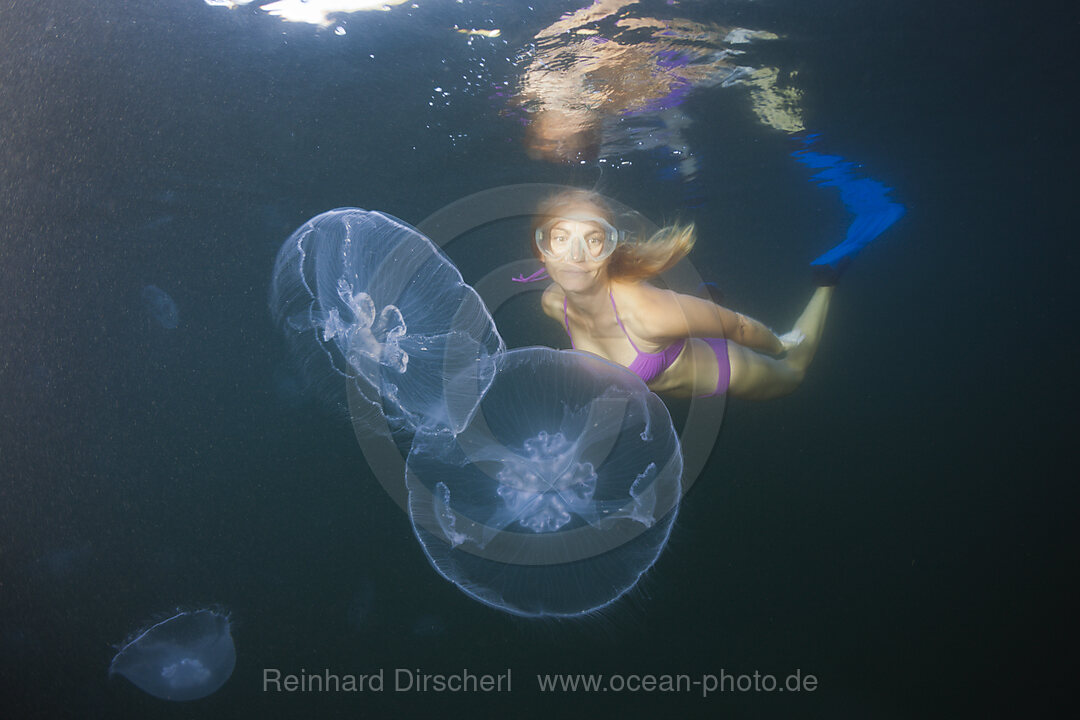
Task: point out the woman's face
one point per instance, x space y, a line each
577 249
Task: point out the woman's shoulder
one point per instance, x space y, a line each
646 307
642 298
552 300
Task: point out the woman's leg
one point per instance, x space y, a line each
811 324
760 377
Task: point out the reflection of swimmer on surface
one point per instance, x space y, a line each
678 344
603 81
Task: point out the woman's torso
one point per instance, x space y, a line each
621 336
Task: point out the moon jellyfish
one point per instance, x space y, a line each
541 483
161 307
186 657
559 492
390 312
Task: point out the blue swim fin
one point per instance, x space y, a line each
867 199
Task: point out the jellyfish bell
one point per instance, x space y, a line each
185 657
558 494
388 311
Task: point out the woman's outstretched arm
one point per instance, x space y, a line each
675 315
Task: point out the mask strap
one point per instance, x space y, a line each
540 274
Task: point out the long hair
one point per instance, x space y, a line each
636 259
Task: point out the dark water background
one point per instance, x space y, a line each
900 527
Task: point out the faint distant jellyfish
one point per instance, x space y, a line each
186 657
66 563
390 312
560 492
160 307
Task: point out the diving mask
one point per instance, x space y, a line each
578 238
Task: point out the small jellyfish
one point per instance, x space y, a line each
160 307
186 657
66 563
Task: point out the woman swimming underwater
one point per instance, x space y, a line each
678 344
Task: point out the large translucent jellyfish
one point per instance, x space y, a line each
186 657
391 313
558 494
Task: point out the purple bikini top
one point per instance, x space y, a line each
646 365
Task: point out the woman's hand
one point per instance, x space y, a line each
792 339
